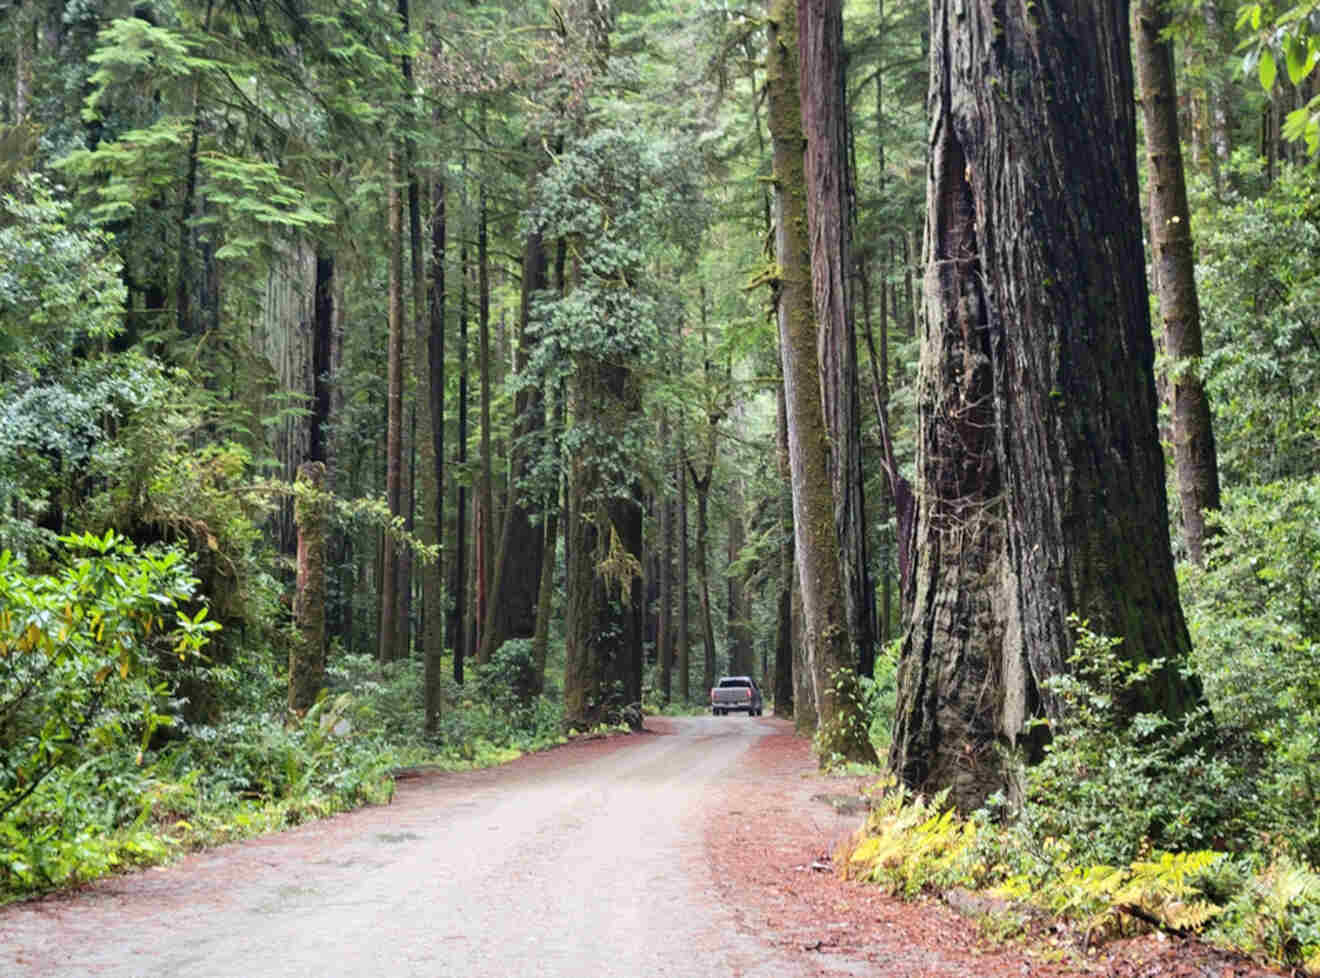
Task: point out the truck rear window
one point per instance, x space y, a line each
727 683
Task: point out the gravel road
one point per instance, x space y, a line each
584 861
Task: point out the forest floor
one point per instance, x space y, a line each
770 838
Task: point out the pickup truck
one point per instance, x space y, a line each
736 693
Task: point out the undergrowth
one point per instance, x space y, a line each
913 846
123 773
1128 823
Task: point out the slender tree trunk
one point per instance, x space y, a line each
784 705
554 505
742 653
913 307
341 626
323 324
389 588
830 655
1220 95
25 41
702 485
684 603
664 630
828 194
545 594
1173 263
458 633
433 644
486 508
307 654
1042 482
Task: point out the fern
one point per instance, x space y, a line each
908 847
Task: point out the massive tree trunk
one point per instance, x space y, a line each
824 124
603 534
1041 479
1173 262
829 652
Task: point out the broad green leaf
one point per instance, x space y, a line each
1300 56
1268 71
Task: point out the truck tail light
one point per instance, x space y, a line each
749 693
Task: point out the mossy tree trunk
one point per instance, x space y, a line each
1041 481
783 690
824 120
307 654
829 652
1195 462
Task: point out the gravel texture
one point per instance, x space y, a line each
698 848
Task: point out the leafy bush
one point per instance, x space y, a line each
1254 616
81 653
1112 786
1259 288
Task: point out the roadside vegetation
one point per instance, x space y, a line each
110 764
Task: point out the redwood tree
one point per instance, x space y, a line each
1041 480
829 653
828 195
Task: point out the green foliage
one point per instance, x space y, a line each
846 738
911 845
82 658
881 695
60 287
1254 616
914 847
622 200
1111 785
1287 35
1258 290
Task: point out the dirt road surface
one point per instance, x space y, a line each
700 848
586 860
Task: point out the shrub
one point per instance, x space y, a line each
1114 786
1254 616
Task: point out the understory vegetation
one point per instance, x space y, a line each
1204 825
109 764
